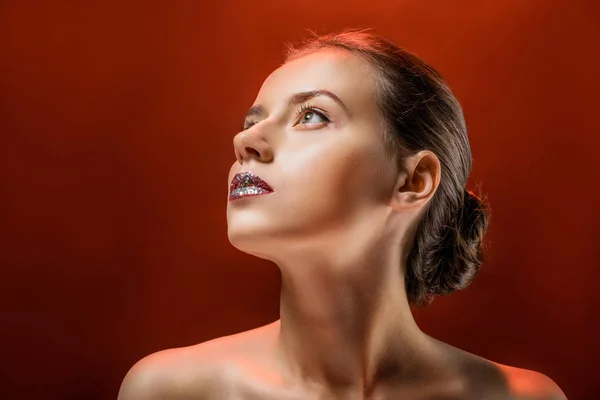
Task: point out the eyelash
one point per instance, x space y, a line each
303 109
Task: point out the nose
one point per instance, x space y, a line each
252 143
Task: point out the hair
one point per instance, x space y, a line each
421 113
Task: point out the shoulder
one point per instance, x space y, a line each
203 371
482 377
526 384
198 371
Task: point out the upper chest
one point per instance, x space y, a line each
251 373
268 385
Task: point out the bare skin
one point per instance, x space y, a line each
241 367
333 225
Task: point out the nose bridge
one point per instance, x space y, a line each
252 143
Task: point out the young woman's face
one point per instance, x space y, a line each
314 136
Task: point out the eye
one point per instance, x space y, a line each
308 115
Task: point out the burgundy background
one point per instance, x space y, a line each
117 120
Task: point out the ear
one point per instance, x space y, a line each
418 179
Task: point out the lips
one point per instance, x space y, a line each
247 184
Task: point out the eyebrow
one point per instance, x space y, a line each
297 98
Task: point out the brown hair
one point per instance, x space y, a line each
421 113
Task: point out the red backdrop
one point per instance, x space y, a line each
117 120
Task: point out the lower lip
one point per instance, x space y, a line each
247 191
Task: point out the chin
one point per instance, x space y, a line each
249 239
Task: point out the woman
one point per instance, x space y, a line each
350 176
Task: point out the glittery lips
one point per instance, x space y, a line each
247 184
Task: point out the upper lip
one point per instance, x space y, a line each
244 179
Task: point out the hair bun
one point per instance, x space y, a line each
450 260
464 245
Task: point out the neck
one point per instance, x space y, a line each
345 322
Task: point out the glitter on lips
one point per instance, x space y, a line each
247 184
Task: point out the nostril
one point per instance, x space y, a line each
252 151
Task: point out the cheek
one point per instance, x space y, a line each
334 178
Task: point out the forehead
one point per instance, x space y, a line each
345 74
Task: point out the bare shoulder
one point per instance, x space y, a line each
203 371
199 371
526 384
483 378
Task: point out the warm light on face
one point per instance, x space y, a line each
313 135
